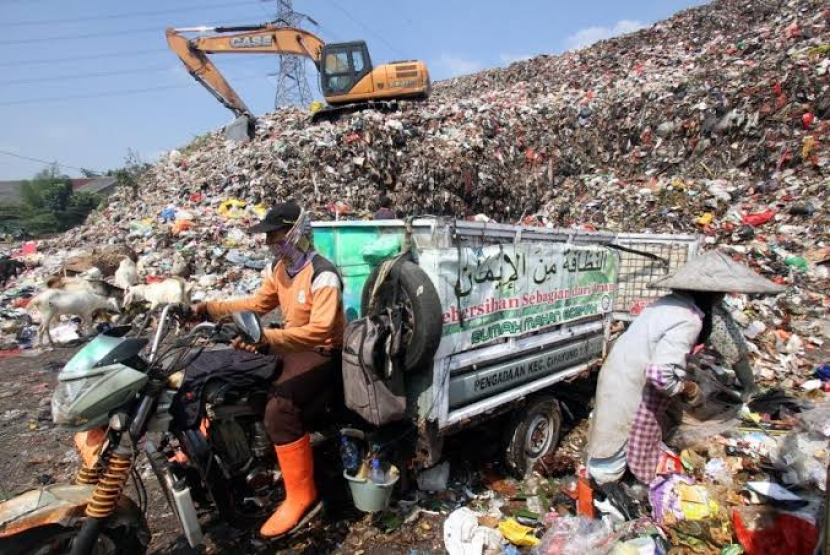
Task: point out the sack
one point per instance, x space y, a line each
377 397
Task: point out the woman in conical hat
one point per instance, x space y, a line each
647 364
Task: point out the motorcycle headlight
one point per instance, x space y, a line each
65 396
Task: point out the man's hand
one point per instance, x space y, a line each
692 394
238 343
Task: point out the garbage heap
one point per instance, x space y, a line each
752 480
714 121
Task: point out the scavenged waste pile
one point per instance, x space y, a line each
716 121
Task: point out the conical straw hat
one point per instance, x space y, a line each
718 273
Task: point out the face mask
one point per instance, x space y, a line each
286 251
278 250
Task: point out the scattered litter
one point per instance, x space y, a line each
435 478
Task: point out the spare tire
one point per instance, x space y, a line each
423 317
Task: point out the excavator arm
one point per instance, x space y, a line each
259 39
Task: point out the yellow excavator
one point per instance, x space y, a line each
347 78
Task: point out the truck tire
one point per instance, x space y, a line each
423 319
532 433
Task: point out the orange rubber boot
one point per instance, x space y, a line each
297 465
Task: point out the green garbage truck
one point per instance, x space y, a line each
497 315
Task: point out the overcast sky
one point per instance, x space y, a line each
83 81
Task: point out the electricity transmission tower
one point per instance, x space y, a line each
292 85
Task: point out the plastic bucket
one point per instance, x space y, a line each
368 496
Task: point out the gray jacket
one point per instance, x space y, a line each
664 334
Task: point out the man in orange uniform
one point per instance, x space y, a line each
307 289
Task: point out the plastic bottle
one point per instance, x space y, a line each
377 475
350 455
363 471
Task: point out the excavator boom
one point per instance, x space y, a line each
260 39
347 77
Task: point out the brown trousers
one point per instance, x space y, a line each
303 379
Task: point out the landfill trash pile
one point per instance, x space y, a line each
756 488
713 122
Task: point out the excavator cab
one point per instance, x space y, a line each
343 65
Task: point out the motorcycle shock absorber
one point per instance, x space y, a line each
89 475
89 445
111 484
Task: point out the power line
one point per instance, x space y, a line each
93 75
124 54
143 30
151 69
39 160
84 57
107 94
127 15
368 29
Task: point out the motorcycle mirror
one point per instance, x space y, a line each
249 326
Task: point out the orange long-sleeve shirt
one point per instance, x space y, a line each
311 304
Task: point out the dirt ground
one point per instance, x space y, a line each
36 452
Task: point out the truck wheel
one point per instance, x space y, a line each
423 318
532 433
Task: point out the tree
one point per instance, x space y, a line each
56 195
30 195
48 186
49 205
131 173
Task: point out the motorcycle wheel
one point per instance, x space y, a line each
129 537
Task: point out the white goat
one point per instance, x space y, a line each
169 291
53 303
127 274
66 283
77 283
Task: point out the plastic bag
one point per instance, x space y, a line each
578 536
759 218
764 531
637 546
464 536
435 478
802 460
677 498
232 208
816 421
181 226
518 534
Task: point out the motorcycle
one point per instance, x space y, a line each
114 398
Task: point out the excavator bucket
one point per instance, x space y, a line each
241 129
